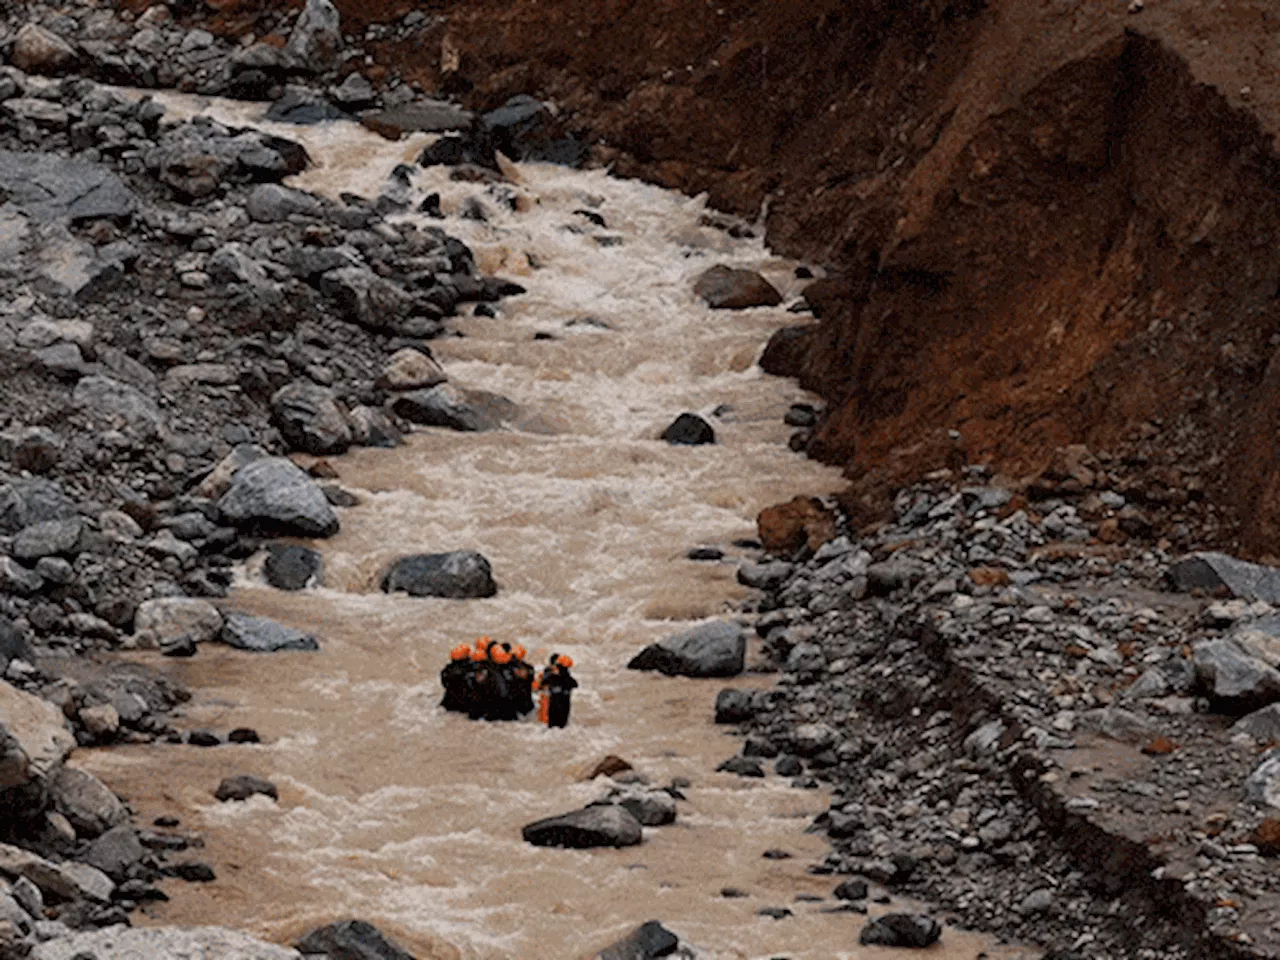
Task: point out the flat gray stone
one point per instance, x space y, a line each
275 493
715 649
50 188
1213 572
261 635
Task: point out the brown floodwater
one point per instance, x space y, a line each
393 811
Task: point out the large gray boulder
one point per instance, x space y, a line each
1216 572
275 495
647 942
366 299
87 803
261 635
116 852
36 739
310 419
40 51
272 203
715 649
460 575
49 188
171 620
448 406
171 943
1239 671
602 826
117 403
24 503
351 940
51 538
290 566
726 288
316 37
1263 725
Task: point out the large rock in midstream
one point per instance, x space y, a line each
647 942
1217 573
290 566
448 406
725 288
689 430
602 826
276 495
460 575
716 649
351 940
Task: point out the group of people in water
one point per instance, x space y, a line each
494 681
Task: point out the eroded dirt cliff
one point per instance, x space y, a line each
1045 221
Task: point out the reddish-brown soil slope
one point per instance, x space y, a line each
1049 221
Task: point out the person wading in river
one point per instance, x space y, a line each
560 686
502 706
456 680
523 672
481 681
540 685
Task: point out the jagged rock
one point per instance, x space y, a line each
1233 678
448 406
219 479
194 159
901 930
16 862
603 826
37 50
272 203
810 739
373 428
1263 725
351 940
171 943
292 567
48 188
647 942
1263 785
48 539
174 620
275 494
689 430
260 635
302 106
110 400
1214 572
24 503
411 369
101 721
462 574
39 731
310 419
711 650
799 523
116 852
735 706
355 92
92 883
17 579
13 646
724 288
366 299
316 37
1119 724
764 576
245 786
87 803
653 808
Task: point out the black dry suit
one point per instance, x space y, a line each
523 686
502 703
456 680
560 684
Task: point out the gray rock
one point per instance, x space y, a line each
272 203
1119 724
689 430
1263 785
194 159
810 739
351 940
171 943
40 733
260 635
373 428
92 882
653 808
118 403
422 116
245 786
48 539
48 188
43 113
172 620
310 419
462 574
715 649
27 502
17 579
292 567
726 288
647 942
276 495
985 740
16 862
1263 725
13 646
411 369
448 406
366 299
1232 678
354 92
219 479
764 576
806 660
603 826
735 706
901 930
1213 572
28 897
115 852
316 37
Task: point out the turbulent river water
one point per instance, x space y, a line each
395 812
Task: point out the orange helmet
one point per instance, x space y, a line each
520 652
478 655
460 652
483 643
565 662
499 655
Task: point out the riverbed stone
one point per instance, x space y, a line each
351 940
1234 679
87 803
262 635
453 408
40 51
48 539
1213 572
173 620
647 942
172 943
276 494
728 288
410 369
1263 725
309 418
735 706
290 566
459 575
39 730
116 852
689 430
715 649
244 786
602 826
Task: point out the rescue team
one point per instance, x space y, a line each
495 682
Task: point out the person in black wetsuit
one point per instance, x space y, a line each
456 680
503 703
522 670
560 686
480 682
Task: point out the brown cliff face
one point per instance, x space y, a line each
1047 221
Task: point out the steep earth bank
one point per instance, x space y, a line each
1046 223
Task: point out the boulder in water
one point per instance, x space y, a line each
260 635
444 405
715 649
245 786
647 942
726 288
460 575
309 418
411 369
275 494
290 566
901 930
351 940
602 826
690 430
